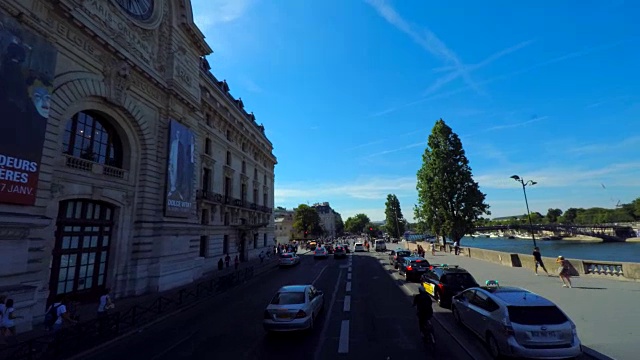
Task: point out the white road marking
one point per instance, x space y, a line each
348 289
350 269
320 274
327 320
347 303
343 345
349 276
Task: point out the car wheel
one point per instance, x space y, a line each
456 315
492 346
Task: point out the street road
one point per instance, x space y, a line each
368 315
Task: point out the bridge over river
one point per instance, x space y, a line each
606 232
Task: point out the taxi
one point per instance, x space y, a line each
443 282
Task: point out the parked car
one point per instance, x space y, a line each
339 252
381 245
413 267
516 322
359 247
443 282
288 259
320 253
396 256
294 307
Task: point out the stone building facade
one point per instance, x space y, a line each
327 218
150 170
284 230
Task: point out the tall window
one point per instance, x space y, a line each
204 245
255 174
225 244
244 192
88 136
229 158
255 240
255 196
264 179
264 199
207 146
227 186
206 179
205 217
264 240
244 167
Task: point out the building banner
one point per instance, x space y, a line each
180 171
27 66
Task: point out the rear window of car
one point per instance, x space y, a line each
286 256
288 298
459 279
379 241
403 253
536 315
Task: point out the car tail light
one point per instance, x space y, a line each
430 267
409 268
418 261
267 315
301 314
440 286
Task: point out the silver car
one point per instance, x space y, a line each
288 259
294 307
516 322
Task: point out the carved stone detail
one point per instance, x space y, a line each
117 78
10 233
56 189
244 178
228 171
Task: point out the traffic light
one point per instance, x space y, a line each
370 229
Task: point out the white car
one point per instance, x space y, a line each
359 247
320 253
294 307
288 259
381 245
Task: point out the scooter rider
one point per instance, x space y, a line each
422 301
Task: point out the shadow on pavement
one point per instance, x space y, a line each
588 288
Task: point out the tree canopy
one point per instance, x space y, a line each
357 223
395 222
306 220
449 200
339 225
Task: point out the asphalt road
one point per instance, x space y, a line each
378 323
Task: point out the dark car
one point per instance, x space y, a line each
413 267
339 252
329 248
396 256
346 248
443 282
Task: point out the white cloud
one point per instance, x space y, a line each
390 151
588 149
208 13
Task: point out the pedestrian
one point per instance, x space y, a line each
456 246
261 256
105 303
433 248
3 309
564 271
220 264
8 326
537 257
236 262
227 260
57 314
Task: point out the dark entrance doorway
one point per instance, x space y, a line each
243 246
81 252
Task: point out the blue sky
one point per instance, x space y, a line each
349 90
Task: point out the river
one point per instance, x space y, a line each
618 251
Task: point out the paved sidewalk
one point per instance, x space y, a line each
605 311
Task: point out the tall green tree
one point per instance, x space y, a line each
357 223
553 215
421 226
570 215
339 225
306 220
450 201
395 222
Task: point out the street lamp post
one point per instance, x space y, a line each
524 185
397 226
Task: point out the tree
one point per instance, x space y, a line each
339 225
371 229
450 201
421 226
570 215
306 220
357 223
395 223
553 215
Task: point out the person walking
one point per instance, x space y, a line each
227 260
236 262
537 258
564 271
456 247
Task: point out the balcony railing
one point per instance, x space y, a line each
94 167
209 196
229 200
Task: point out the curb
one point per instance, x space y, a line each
594 354
107 344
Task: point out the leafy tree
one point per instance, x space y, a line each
306 220
450 201
421 227
339 225
553 215
536 217
395 223
570 215
357 223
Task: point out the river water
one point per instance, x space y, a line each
618 251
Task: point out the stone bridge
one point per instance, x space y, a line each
606 232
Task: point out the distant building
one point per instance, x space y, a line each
283 225
327 218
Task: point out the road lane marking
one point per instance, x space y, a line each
347 303
350 269
348 289
173 346
349 276
327 319
318 277
343 345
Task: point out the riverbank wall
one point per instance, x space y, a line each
591 268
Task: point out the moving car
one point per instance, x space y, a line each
294 307
288 259
381 245
329 248
444 281
359 247
320 253
396 256
516 322
339 252
412 267
312 245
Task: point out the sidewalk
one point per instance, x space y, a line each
88 311
604 310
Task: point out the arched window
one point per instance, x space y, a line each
90 137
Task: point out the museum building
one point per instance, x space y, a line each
124 162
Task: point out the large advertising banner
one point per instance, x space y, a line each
27 66
180 171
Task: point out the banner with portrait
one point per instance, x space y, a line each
180 171
27 67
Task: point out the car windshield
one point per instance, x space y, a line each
288 298
536 315
286 256
459 279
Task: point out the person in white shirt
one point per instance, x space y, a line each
105 303
7 325
61 314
